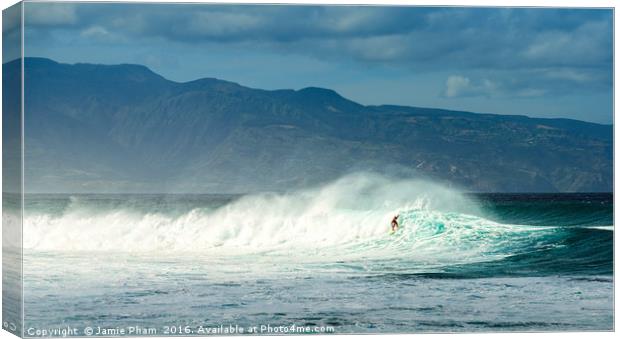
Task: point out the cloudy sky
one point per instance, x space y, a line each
537 62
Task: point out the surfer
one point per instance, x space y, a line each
394 223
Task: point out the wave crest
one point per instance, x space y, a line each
354 208
341 225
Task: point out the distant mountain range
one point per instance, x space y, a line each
123 128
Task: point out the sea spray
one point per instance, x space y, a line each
345 220
353 208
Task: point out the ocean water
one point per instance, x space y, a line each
318 260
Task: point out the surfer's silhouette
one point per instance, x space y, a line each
394 223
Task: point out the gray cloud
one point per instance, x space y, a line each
547 50
50 14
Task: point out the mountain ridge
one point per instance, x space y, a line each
301 90
151 134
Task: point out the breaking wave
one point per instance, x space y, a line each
344 220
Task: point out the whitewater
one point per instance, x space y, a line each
352 209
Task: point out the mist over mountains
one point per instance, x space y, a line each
124 128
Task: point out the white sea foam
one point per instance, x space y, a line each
603 228
346 218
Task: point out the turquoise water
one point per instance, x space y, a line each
320 259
